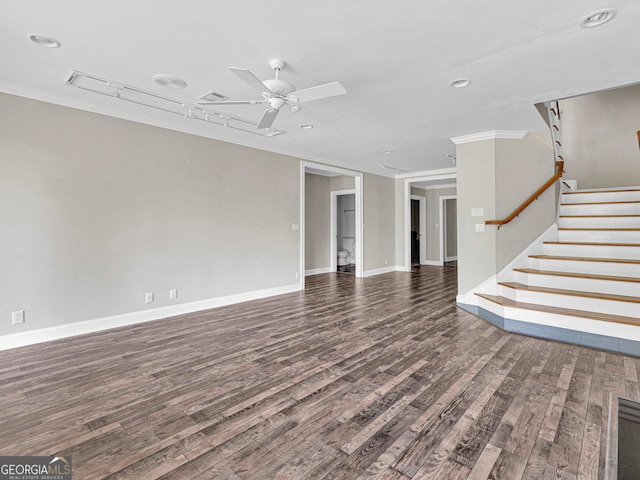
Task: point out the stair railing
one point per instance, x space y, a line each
531 199
555 124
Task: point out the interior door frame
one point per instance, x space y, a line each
422 205
434 175
358 177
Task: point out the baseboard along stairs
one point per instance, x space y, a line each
584 287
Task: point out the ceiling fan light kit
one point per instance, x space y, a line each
277 93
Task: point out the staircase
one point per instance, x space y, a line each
584 287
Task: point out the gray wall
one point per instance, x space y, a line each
317 221
342 182
451 215
498 175
600 139
96 211
379 221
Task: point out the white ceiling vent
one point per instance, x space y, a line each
213 97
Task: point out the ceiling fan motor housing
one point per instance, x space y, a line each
279 87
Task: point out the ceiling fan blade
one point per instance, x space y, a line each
267 119
232 102
316 93
250 79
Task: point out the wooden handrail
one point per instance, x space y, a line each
531 199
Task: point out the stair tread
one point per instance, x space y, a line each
613 190
507 302
601 216
573 293
587 259
534 271
595 244
601 203
605 229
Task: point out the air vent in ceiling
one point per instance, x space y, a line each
213 97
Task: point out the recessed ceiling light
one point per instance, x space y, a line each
169 81
460 83
306 126
43 41
294 108
597 18
387 152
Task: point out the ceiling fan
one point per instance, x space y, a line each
278 93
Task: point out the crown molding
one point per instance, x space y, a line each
490 135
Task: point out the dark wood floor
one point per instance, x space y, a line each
377 378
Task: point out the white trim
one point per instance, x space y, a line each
490 135
317 271
441 175
431 173
333 227
443 233
31 337
380 271
423 227
436 187
434 263
359 227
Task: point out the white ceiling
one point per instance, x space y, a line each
396 60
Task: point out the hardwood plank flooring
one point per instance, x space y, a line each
370 379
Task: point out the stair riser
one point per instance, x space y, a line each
604 209
595 268
593 251
576 303
596 236
581 284
601 197
599 222
562 321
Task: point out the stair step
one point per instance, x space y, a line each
611 190
587 259
573 293
594 244
507 302
631 194
600 235
533 271
599 203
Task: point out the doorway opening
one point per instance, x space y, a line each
426 189
321 250
418 230
449 222
344 216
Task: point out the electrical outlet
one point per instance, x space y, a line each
295 226
297 275
479 227
148 297
17 317
173 293
385 261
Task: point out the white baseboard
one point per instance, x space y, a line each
317 271
450 259
380 271
22 339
